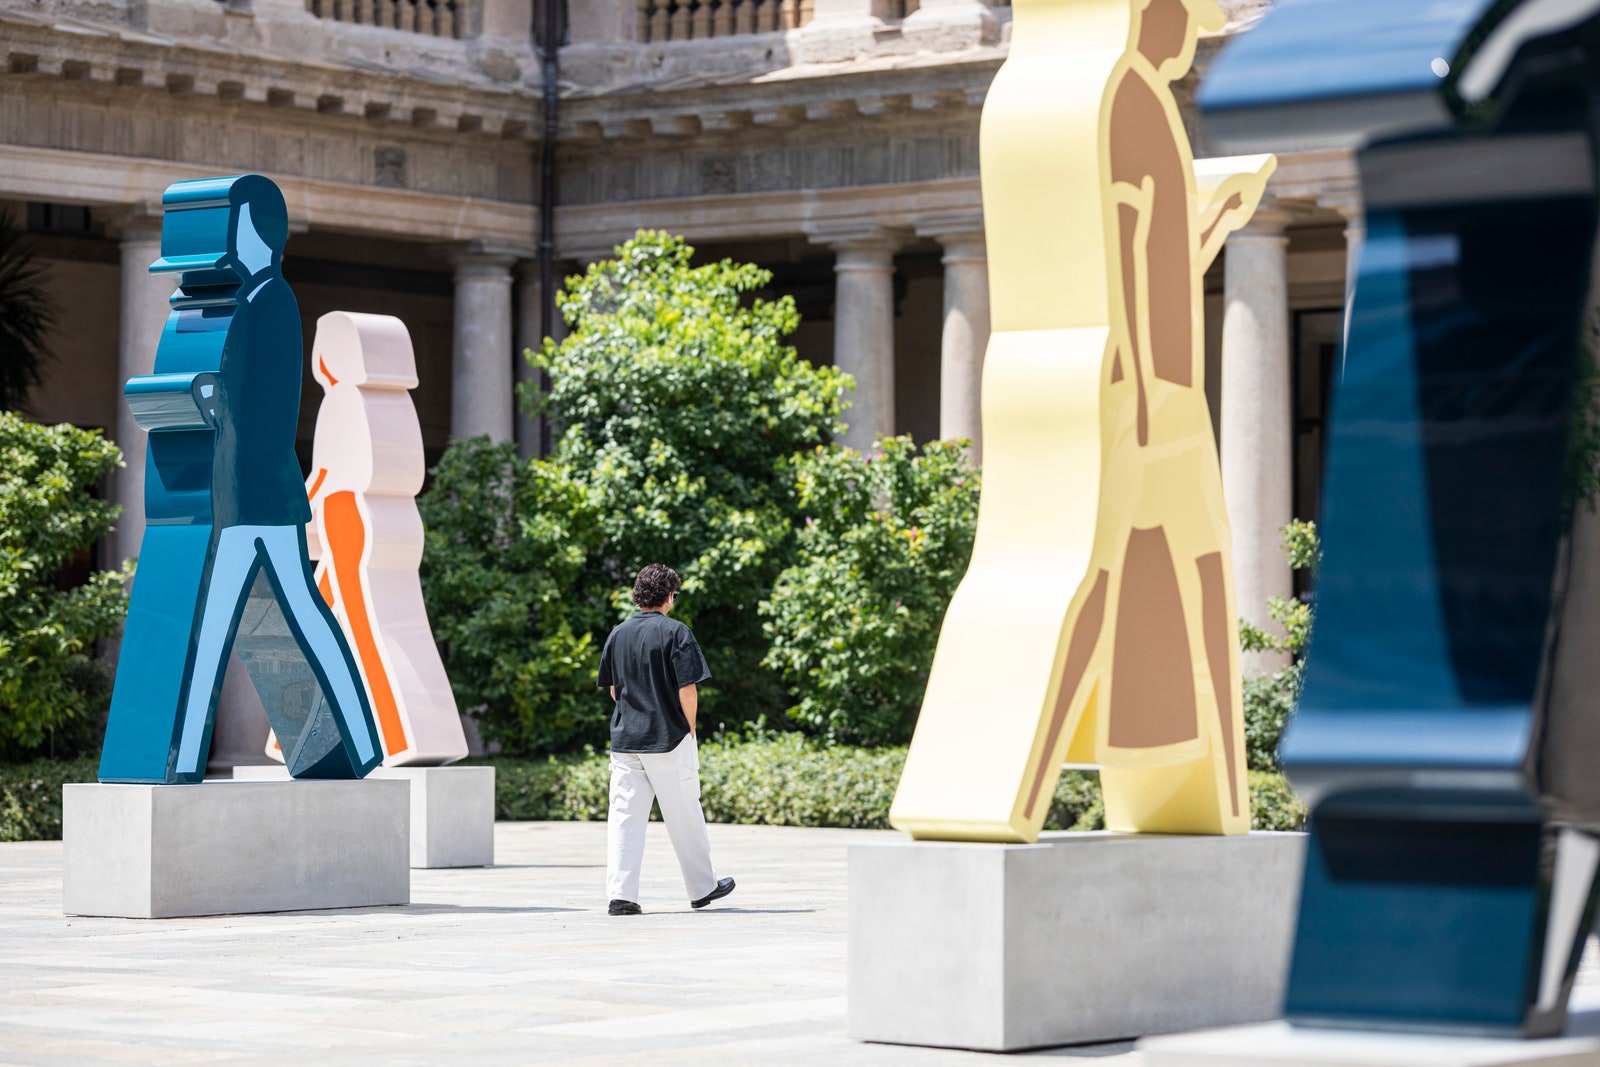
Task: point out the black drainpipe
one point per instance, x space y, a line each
547 195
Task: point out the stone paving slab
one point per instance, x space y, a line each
514 964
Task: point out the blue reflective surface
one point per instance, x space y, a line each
1426 900
224 499
1311 49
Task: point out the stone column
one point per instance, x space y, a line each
863 329
1355 239
1257 427
530 335
144 315
966 330
481 396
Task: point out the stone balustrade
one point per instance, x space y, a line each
686 20
434 18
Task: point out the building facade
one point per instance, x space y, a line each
834 142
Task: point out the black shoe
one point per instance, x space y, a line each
724 887
627 907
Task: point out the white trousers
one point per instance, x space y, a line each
672 779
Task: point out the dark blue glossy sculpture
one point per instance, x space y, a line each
1450 879
225 502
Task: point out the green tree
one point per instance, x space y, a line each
1270 699
682 409
53 692
26 316
515 595
853 624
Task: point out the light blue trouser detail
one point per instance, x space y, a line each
240 549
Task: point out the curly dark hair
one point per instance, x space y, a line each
654 584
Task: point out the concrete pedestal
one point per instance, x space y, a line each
1082 937
452 811
231 848
1277 1044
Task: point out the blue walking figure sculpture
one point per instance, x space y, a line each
1447 735
224 502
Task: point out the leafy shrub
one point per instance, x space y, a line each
854 622
30 796
515 596
1273 804
790 780
53 693
1270 699
682 408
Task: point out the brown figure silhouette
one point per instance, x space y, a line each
1150 688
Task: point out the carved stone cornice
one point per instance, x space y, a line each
129 62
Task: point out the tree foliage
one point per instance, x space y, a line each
53 693
680 410
27 315
1270 699
514 594
682 407
853 624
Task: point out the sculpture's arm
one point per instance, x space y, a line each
184 401
1228 191
1133 205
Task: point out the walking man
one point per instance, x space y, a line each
653 667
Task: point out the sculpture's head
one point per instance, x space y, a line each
214 230
1166 31
258 225
353 348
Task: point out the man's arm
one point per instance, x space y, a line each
689 697
613 692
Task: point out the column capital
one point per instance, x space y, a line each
1354 213
961 236
484 259
1268 223
140 221
856 236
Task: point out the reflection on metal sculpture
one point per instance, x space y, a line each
367 468
224 502
1449 759
1096 620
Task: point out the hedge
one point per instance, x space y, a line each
30 796
788 781
779 781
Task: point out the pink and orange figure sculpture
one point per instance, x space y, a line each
366 534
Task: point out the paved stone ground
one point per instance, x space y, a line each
509 965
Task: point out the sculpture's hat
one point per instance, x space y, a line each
236 225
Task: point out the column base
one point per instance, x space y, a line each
233 848
1082 937
452 811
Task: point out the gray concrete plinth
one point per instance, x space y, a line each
1080 938
452 811
452 814
1277 1044
233 848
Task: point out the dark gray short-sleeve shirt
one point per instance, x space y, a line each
649 658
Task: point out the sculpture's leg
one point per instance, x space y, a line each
345 531
142 728
233 568
318 635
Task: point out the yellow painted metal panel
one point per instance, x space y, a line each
1097 616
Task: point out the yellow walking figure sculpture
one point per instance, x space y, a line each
1096 621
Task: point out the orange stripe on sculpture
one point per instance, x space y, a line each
346 533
